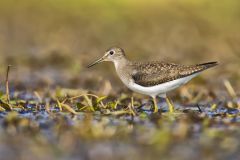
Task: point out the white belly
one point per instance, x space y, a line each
160 89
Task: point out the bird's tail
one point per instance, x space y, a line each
208 64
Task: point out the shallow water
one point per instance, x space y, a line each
190 132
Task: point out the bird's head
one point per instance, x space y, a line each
113 54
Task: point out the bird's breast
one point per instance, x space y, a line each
124 75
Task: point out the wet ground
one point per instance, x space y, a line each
50 126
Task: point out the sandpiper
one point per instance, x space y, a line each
154 78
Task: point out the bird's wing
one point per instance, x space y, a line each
154 73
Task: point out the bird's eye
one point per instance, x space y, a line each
111 52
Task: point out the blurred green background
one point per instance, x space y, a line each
49 42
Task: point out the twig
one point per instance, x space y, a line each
199 109
131 106
59 105
84 95
68 108
7 84
47 107
118 113
89 102
38 96
115 105
230 89
2 109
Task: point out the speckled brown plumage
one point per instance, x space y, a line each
150 78
148 73
154 73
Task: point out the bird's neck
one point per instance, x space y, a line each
120 63
121 67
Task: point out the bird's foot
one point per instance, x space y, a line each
155 105
170 105
155 109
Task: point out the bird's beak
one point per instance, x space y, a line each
97 61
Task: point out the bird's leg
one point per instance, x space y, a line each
155 104
170 105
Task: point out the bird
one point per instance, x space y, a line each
153 78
